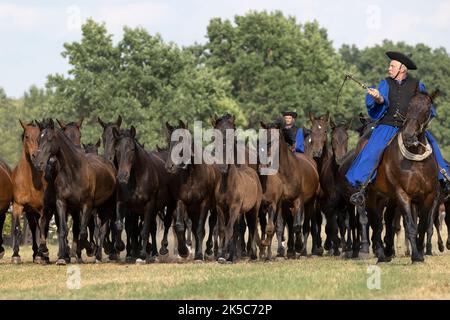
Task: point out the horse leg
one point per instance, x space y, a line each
149 218
168 217
263 224
280 226
447 222
43 227
410 216
31 217
61 208
212 224
363 221
180 214
390 222
431 216
221 232
231 233
120 214
316 222
252 221
299 220
86 215
188 223
200 231
270 230
99 234
438 226
17 232
291 236
349 217
2 222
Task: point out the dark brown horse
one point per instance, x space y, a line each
238 194
138 185
6 196
329 196
413 185
300 180
195 195
84 182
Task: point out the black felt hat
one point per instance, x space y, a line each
402 58
293 114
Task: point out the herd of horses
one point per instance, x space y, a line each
130 187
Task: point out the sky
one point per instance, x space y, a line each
32 33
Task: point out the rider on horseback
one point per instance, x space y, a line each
292 134
388 106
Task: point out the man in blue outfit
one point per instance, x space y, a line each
388 105
292 134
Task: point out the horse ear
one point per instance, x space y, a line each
119 121
99 143
101 122
214 120
182 124
133 132
115 132
51 124
21 123
327 116
61 123
84 146
158 148
39 124
233 118
311 116
263 125
435 94
169 127
80 123
332 124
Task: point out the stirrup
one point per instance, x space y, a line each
358 198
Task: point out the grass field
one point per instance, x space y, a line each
304 278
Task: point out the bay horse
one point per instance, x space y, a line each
195 196
84 182
238 194
91 147
28 195
6 196
412 184
300 179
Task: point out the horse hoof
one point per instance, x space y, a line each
61 262
98 261
199 261
448 244
440 247
129 259
278 259
163 251
140 261
16 260
222 260
37 260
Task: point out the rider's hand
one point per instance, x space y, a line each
376 95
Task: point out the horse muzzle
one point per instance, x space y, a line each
123 177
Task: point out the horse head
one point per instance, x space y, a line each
222 124
72 131
92 148
47 144
30 138
339 139
125 147
108 137
319 130
177 159
417 118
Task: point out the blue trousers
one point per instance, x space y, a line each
369 156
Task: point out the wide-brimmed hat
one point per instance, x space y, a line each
402 58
